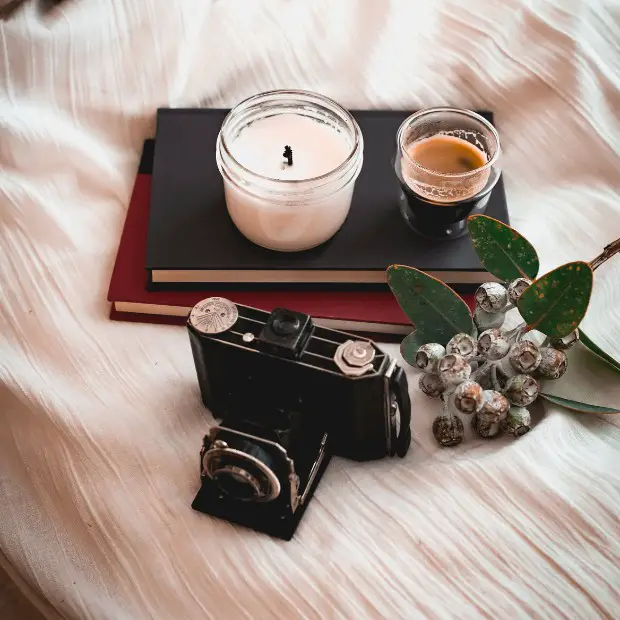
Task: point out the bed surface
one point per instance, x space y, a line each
100 422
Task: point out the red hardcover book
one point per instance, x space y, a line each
374 311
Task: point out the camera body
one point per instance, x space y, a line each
262 472
289 394
247 358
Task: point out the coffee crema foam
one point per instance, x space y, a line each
446 154
440 155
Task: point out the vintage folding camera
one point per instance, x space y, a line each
289 394
262 472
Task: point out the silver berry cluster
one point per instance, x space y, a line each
493 377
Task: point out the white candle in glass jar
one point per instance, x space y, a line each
296 203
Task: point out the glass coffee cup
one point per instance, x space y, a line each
447 163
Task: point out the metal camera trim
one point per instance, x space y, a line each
219 451
207 322
315 469
347 361
390 410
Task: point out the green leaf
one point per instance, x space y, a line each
410 345
502 250
437 312
575 405
597 350
556 303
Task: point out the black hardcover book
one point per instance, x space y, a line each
192 242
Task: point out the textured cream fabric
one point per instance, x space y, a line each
100 422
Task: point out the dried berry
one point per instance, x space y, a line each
553 363
567 342
462 344
516 288
448 430
431 385
517 422
524 356
454 369
428 356
522 390
485 428
491 296
488 320
494 407
468 397
493 343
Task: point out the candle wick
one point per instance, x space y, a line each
288 154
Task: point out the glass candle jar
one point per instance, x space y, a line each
447 163
289 160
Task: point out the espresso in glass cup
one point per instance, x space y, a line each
447 163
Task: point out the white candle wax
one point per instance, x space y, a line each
317 149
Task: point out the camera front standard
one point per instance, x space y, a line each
261 472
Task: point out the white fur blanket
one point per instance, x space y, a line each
100 422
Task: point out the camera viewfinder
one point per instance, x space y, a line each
285 333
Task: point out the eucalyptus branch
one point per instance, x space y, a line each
608 251
474 380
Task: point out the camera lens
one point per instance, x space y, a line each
237 483
285 324
242 473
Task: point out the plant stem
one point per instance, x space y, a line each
479 372
476 362
478 358
609 250
448 403
496 386
446 408
515 334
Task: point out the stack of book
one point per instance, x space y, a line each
179 244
